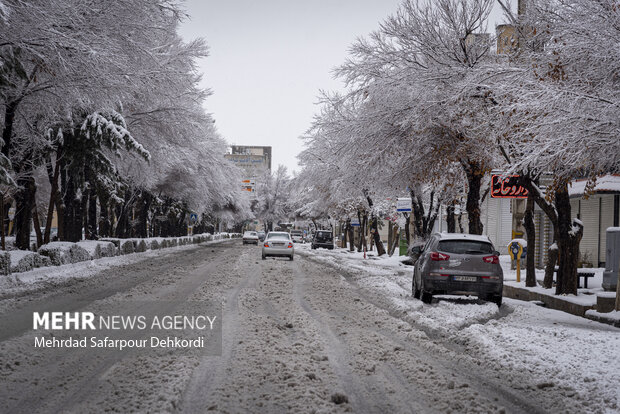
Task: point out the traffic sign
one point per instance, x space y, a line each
355 222
403 204
193 217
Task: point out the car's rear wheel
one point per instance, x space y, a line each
291 258
426 296
264 257
498 300
414 289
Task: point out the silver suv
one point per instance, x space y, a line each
458 264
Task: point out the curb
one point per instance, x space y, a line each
557 303
551 302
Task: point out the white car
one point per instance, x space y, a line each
278 243
250 237
297 236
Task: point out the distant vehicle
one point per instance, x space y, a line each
297 236
250 237
261 235
457 264
278 243
323 238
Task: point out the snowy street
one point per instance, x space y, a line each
313 335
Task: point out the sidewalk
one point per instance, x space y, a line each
584 304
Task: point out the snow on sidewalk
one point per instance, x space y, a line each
25 281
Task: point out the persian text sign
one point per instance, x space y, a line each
507 186
403 204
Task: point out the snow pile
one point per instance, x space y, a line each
97 249
128 247
5 263
61 253
141 247
23 260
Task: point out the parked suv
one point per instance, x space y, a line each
458 264
323 238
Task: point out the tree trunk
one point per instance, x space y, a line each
530 229
569 236
374 226
450 218
362 230
395 239
122 215
104 215
474 174
407 231
72 217
351 237
91 230
424 220
9 120
37 225
24 200
552 258
143 213
53 178
375 235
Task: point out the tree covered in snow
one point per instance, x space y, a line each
66 64
411 115
273 194
558 106
430 108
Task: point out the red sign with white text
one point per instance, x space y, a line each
507 186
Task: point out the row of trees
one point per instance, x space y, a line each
102 122
431 108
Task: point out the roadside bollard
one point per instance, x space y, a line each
515 249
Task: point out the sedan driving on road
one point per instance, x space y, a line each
297 236
458 264
250 237
278 243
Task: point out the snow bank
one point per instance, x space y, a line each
23 260
61 253
5 263
97 249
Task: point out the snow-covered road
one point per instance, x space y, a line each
303 336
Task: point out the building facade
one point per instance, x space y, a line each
253 160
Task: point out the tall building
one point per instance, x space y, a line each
254 160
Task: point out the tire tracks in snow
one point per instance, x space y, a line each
211 369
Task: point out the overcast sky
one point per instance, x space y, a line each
269 59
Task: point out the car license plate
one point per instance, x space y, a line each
278 244
465 278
